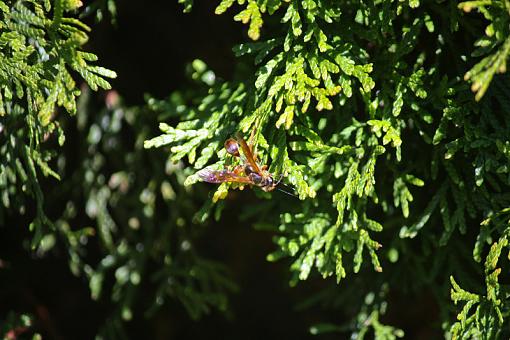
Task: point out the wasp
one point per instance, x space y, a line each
250 172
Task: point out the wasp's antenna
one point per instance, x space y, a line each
286 192
285 185
279 182
279 179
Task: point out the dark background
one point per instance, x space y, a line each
149 49
150 45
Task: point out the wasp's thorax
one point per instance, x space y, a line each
264 180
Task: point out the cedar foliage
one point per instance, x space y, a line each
40 47
389 118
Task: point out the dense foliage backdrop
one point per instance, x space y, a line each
389 119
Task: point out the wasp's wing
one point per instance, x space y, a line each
221 176
248 153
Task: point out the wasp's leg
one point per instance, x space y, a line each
251 143
238 169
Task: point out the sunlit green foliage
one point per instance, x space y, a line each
40 51
483 315
401 172
495 43
362 107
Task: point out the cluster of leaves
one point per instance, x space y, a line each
361 106
488 318
40 51
495 43
312 61
139 215
400 118
367 322
16 325
101 9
